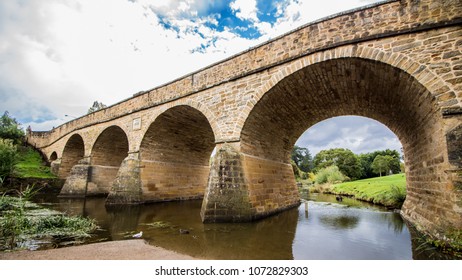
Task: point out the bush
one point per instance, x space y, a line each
397 194
330 174
8 156
10 128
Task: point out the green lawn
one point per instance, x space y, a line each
386 190
30 165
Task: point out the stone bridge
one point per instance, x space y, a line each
398 62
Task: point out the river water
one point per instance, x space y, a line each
327 230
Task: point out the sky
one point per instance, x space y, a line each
59 56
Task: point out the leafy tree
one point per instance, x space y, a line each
302 158
96 107
8 156
382 164
10 128
347 162
367 159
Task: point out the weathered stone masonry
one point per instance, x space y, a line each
398 62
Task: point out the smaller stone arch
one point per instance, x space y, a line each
175 154
73 152
53 156
54 162
107 154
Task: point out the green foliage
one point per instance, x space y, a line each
30 165
449 247
348 163
8 157
10 129
367 159
21 220
397 194
302 158
330 174
389 190
382 164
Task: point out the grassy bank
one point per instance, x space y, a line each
30 165
389 191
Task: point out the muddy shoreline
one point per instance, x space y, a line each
112 250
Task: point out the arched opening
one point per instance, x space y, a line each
110 149
72 153
175 154
352 144
53 156
348 86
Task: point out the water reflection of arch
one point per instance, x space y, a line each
218 241
253 240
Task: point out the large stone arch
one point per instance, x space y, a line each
73 152
326 88
109 150
443 92
174 155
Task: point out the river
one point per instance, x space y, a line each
326 230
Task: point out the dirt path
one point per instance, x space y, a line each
113 250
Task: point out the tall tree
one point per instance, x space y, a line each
302 158
347 162
96 107
10 128
382 164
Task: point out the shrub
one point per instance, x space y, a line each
398 194
8 156
330 174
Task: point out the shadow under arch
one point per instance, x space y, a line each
361 87
53 156
175 154
72 153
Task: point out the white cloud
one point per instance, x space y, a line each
359 134
245 9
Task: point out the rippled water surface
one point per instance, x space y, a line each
328 230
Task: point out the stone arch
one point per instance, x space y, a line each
74 150
204 110
443 92
53 156
175 153
109 150
362 87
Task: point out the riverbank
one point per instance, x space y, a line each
388 191
113 250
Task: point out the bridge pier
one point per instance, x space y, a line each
126 188
77 181
243 188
